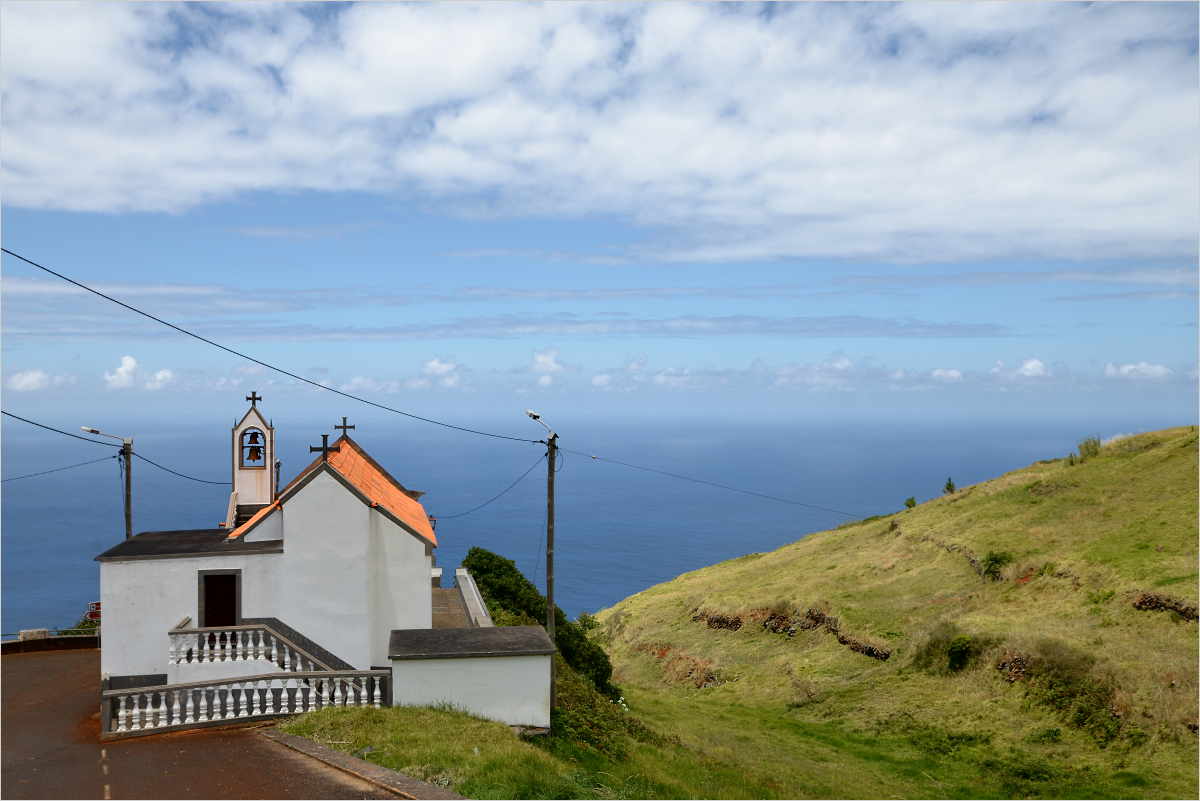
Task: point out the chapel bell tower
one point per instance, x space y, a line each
253 465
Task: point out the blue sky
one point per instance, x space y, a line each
913 209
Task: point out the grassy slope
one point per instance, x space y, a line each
806 716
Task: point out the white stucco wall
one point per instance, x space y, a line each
219 671
325 561
142 600
269 528
511 689
400 588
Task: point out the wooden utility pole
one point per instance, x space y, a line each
128 451
552 457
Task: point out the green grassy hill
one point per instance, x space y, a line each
1033 635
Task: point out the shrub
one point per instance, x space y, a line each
949 488
911 502
504 588
587 621
958 652
1061 678
1089 447
994 562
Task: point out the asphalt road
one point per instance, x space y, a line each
51 747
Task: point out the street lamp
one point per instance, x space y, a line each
127 454
551 455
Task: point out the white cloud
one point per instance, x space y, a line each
601 380
687 378
934 131
545 362
1139 370
159 380
1032 368
545 381
365 384
34 380
942 374
124 376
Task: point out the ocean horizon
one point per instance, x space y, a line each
619 530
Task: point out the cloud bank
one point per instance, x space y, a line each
910 131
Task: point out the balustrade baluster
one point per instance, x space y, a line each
274 652
253 696
121 715
174 638
189 707
243 710
237 648
325 693
136 713
162 709
260 647
338 698
310 666
378 693
224 641
287 658
175 709
204 716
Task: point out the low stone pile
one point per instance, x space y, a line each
1147 601
1014 665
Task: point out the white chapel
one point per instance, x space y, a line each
332 573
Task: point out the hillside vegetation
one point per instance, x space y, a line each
1033 635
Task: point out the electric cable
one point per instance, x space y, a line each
81 464
262 363
181 475
510 486
56 431
711 484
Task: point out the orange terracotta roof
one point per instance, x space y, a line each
253 521
373 481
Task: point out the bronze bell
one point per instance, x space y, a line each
254 438
255 454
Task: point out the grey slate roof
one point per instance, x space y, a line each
181 544
459 643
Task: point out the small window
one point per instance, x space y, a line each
254 448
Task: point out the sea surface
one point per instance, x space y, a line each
619 530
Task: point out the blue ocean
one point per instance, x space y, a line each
619 529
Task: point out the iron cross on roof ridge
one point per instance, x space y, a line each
253 397
343 427
324 450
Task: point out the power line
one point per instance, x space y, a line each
181 475
262 363
510 486
709 483
56 431
81 464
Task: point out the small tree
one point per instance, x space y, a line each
959 652
1089 447
949 488
994 562
911 502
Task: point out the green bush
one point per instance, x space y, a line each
504 588
910 502
958 652
587 621
994 562
949 488
1089 447
1062 679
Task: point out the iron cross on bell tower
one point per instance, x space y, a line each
254 398
343 427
